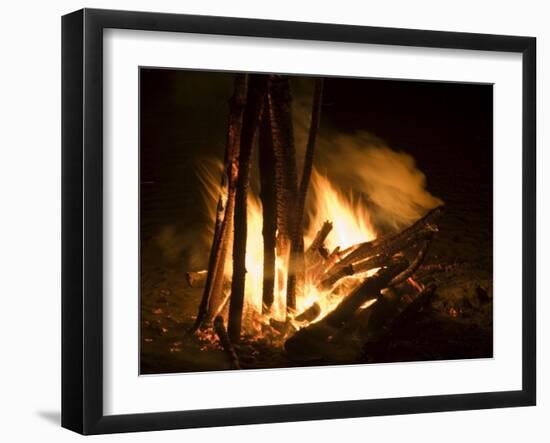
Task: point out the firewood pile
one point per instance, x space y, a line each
379 280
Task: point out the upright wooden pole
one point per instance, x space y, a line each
296 268
268 195
285 164
251 120
212 295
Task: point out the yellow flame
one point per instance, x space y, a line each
351 225
350 217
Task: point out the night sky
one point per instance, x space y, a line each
444 124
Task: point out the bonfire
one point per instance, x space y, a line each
270 276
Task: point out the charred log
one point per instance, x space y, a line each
268 196
213 284
367 291
341 272
284 328
333 256
311 340
317 245
279 99
309 314
279 103
375 255
296 268
381 260
251 121
315 271
378 245
414 265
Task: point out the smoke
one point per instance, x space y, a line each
394 187
364 167
175 245
191 244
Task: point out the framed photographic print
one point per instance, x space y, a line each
269 221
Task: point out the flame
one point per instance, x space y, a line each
349 216
351 225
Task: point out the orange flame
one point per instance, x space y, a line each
351 225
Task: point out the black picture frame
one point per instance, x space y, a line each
82 220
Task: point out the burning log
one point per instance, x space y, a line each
333 256
414 265
379 245
354 269
284 328
382 260
314 336
367 291
332 279
309 314
196 279
316 246
312 136
316 270
226 206
286 181
268 195
375 255
279 103
339 272
219 327
251 120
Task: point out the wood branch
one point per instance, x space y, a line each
376 246
251 120
349 250
381 253
333 256
367 291
311 339
196 279
279 101
414 265
284 328
316 245
341 272
296 268
268 196
353 269
219 327
212 294
316 270
310 149
237 105
309 314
